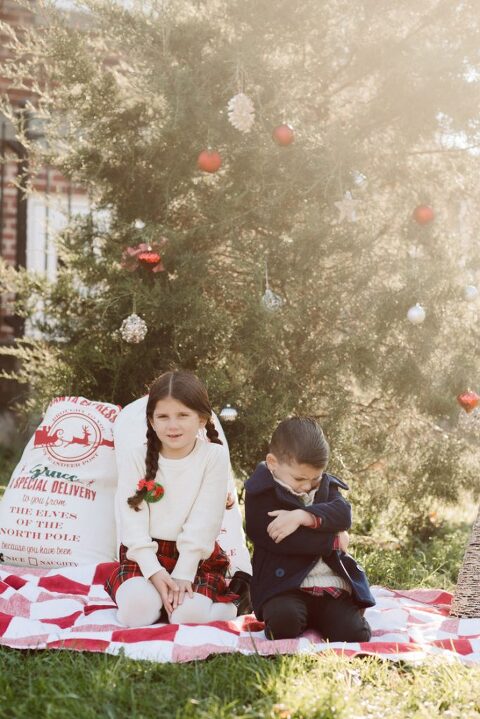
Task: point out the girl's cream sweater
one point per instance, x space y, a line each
190 513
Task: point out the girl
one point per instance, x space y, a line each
170 562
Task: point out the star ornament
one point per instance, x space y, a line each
347 208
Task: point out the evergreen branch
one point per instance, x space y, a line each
443 151
425 22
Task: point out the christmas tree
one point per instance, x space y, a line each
284 183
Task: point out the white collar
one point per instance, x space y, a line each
305 497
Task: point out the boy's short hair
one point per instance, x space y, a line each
300 439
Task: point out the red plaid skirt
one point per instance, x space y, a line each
320 591
209 579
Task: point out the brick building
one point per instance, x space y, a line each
28 223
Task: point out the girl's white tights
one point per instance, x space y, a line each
200 610
139 605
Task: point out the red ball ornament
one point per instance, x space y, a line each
283 135
209 161
149 258
468 400
423 214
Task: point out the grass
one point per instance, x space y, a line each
60 685
63 684
431 563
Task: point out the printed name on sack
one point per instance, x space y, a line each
34 481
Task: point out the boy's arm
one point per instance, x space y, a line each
335 514
302 541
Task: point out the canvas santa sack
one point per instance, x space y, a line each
58 508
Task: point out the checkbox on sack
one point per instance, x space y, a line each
33 561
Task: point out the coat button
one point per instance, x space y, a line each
279 572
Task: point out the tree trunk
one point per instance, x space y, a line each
466 601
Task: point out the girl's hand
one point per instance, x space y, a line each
286 522
165 586
344 541
177 596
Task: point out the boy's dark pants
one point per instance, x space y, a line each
287 615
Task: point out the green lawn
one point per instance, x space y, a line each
62 684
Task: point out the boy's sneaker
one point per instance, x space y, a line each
240 584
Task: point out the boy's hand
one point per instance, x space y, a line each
287 522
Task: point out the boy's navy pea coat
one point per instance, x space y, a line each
283 566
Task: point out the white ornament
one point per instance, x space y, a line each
469 421
241 112
139 225
133 329
415 252
271 301
229 414
347 208
359 178
416 314
470 293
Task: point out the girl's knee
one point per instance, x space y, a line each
222 612
201 610
193 610
139 604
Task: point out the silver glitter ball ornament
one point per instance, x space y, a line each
229 414
133 329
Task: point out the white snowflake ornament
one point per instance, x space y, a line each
415 252
241 112
271 301
133 329
347 208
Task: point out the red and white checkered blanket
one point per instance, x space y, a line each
69 609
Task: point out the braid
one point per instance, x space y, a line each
151 464
212 433
153 451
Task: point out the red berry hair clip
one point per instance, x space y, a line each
153 491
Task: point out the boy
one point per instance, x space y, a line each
297 520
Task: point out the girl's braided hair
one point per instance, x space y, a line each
190 391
